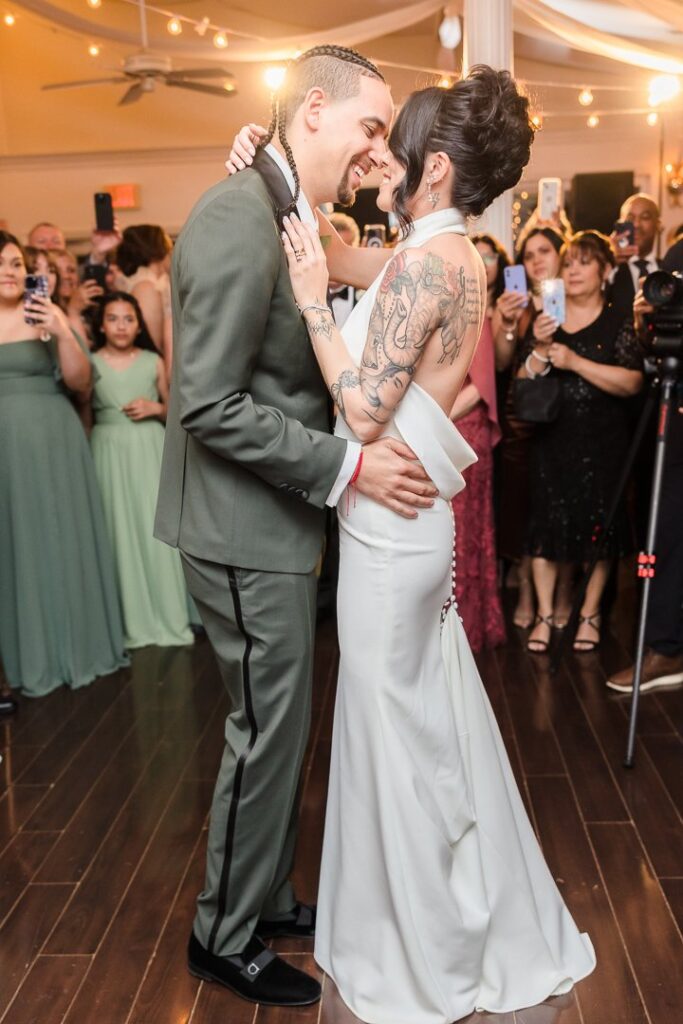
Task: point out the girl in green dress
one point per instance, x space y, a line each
129 405
60 620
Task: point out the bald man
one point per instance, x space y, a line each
637 260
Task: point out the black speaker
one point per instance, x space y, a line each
597 198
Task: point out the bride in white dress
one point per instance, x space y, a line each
435 899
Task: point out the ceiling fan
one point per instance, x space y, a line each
141 72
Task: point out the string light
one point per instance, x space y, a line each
537 121
652 118
593 121
274 77
94 50
220 40
174 26
585 97
444 83
201 27
94 4
9 20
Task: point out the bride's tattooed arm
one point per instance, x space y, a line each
421 295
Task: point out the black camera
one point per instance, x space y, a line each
664 291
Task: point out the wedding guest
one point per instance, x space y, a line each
143 258
539 254
75 297
636 260
577 458
495 260
46 236
129 404
476 585
59 611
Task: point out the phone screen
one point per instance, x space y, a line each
553 295
626 231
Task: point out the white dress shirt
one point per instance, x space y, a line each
636 274
307 216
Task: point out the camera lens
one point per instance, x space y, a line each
662 288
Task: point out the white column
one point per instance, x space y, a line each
487 39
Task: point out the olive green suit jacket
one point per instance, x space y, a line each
248 457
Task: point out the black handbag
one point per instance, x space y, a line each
537 400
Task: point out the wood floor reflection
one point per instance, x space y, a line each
104 795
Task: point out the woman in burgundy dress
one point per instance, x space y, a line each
476 586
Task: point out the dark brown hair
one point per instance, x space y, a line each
141 245
143 339
482 123
7 239
555 237
591 244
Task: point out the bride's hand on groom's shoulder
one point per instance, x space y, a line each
244 147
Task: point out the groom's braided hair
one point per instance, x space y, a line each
314 67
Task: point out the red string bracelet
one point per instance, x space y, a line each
356 472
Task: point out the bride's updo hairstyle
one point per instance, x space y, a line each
482 123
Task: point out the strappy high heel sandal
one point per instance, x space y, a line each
541 646
586 646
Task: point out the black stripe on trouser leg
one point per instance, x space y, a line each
241 762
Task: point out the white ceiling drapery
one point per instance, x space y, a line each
590 40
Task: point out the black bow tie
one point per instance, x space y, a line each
343 293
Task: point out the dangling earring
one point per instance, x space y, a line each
433 197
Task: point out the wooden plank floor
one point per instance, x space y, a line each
104 795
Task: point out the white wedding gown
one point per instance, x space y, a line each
435 899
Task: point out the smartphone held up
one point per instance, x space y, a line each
553 295
104 211
514 278
35 285
549 198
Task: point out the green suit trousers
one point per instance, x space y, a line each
261 626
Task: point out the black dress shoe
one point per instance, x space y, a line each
299 924
256 974
8 705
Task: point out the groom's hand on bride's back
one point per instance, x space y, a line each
391 475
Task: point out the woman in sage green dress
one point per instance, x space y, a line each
60 620
129 404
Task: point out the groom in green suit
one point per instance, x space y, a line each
249 466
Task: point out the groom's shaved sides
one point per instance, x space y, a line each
334 69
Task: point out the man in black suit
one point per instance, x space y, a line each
663 661
637 260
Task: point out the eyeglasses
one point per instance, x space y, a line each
489 258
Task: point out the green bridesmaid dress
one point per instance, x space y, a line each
127 457
60 619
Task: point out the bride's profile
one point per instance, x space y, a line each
435 899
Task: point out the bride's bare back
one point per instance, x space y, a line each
424 327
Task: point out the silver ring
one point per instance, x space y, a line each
299 254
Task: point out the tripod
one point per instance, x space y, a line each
667 373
